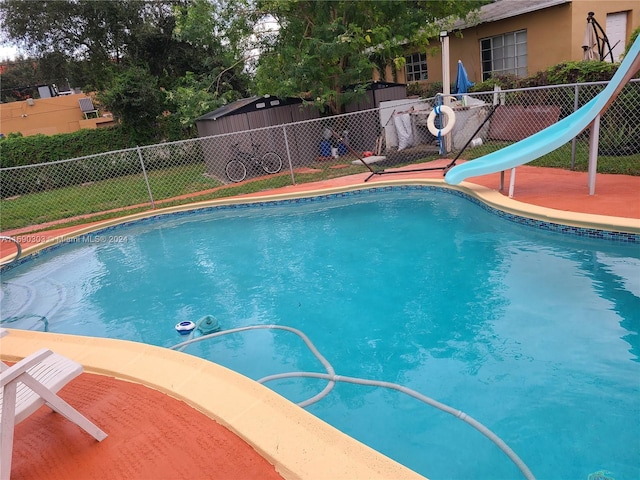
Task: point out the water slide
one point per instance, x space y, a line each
556 135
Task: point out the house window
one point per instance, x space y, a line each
505 53
416 67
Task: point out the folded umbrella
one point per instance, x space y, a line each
463 84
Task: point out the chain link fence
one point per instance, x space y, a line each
396 134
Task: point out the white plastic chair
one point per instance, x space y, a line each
29 384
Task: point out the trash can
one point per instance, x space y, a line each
325 148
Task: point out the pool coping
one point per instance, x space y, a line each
485 196
297 443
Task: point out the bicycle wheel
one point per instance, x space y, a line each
271 162
236 170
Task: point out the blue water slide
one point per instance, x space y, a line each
556 135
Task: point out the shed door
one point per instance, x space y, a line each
617 33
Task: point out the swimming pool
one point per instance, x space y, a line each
532 333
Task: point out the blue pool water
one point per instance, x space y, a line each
533 333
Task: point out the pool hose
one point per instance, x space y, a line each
332 378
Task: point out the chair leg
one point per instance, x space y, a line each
7 426
63 408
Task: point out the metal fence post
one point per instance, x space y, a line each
146 178
593 154
286 146
576 93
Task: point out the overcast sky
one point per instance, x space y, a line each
8 53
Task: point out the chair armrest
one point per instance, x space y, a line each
23 365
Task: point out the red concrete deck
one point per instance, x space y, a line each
150 436
153 436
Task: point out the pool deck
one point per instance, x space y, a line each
170 415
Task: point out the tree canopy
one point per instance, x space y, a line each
323 46
102 34
203 53
187 49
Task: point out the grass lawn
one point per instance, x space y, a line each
99 198
105 195
561 158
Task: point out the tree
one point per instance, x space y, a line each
93 32
190 49
218 31
102 34
16 78
322 47
132 51
135 98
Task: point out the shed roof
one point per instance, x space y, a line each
380 84
253 104
250 104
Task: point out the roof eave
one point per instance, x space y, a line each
501 10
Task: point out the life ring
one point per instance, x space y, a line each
451 120
185 328
208 324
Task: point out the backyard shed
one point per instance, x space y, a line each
253 112
267 111
250 125
378 92
244 126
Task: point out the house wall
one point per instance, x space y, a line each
554 35
548 42
601 8
48 116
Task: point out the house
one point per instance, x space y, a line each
521 37
49 116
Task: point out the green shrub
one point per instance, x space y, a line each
560 74
424 90
632 39
18 150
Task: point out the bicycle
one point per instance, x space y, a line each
236 168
